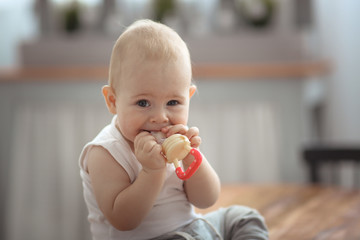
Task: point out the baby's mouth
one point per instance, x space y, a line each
159 136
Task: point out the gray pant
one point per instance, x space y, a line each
235 222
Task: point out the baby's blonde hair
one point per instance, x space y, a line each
146 40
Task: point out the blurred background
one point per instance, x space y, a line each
273 76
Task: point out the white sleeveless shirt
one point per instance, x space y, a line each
170 211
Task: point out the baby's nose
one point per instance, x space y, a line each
159 116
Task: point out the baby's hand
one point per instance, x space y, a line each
191 133
148 152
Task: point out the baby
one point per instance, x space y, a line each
130 190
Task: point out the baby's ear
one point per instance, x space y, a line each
110 98
192 90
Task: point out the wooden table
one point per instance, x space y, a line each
299 212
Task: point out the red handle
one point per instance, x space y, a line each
192 168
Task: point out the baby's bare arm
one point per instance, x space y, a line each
123 203
203 188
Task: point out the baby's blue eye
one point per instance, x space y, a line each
143 103
172 103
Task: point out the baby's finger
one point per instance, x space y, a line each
138 139
195 141
141 139
192 132
157 149
149 145
179 128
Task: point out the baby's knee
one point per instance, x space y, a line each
243 217
243 211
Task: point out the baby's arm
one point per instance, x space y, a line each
123 203
202 188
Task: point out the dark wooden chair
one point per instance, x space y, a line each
332 157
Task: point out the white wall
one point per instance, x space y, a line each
339 40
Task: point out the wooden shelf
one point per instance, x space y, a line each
261 70
203 71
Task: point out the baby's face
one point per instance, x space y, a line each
155 95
